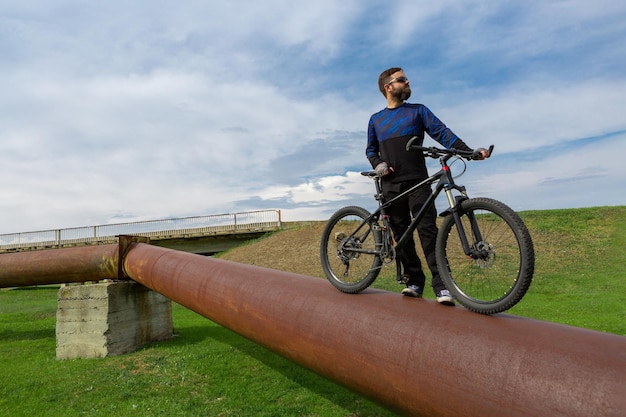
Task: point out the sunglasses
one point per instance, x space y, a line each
398 79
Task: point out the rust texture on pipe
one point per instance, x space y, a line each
412 355
56 266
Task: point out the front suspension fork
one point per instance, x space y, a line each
455 211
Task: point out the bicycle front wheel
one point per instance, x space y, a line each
498 271
348 250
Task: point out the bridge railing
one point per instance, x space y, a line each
215 224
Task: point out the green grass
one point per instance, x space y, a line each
581 268
207 370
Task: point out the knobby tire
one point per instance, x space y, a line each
350 257
500 277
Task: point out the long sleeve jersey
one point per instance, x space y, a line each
389 130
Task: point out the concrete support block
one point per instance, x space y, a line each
107 319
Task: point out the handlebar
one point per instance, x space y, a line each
434 152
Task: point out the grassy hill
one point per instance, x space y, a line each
580 275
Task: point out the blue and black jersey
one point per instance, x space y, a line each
389 130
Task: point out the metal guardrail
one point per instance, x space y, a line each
218 224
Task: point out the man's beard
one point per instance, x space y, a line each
403 94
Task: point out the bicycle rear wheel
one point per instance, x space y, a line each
348 250
499 272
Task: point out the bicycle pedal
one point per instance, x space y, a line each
402 279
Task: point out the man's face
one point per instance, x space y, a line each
399 86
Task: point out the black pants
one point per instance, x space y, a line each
400 217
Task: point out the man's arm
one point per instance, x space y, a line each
437 130
372 151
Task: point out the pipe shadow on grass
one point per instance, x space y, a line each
300 375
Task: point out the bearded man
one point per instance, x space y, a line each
388 132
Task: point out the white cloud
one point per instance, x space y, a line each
582 175
529 118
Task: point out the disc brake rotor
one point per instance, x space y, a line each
486 254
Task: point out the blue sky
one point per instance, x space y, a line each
122 111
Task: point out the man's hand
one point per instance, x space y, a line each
481 153
382 169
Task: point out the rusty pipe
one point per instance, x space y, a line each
56 266
412 355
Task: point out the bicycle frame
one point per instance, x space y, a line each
444 183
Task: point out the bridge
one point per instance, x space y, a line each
199 234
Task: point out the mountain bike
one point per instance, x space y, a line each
484 252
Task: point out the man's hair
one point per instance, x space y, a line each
385 77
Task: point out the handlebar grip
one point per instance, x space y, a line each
489 151
477 155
